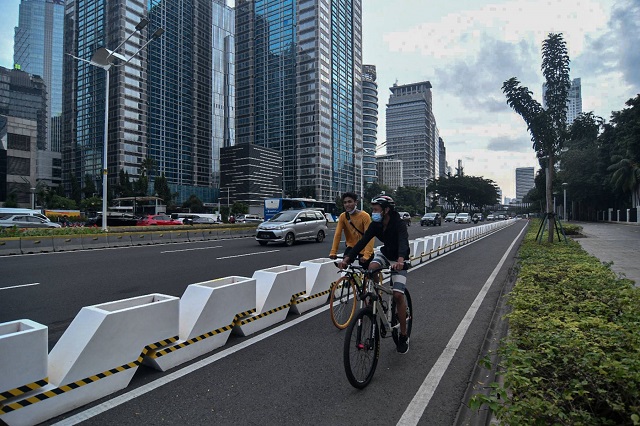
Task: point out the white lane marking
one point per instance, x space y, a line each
17 286
246 254
126 397
419 403
189 249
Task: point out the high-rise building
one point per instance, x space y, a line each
38 50
369 123
525 181
299 89
574 99
23 123
442 159
90 25
191 97
412 134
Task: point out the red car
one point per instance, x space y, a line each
158 219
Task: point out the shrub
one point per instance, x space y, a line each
572 355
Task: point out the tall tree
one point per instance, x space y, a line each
89 187
161 187
548 127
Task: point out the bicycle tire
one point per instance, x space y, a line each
342 302
394 317
361 348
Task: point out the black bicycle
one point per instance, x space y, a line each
377 319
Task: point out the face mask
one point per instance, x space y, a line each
376 217
353 211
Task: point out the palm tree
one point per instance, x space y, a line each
548 127
626 177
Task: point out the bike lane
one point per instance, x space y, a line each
296 375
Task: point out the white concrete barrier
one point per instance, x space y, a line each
276 288
10 246
95 241
67 242
98 355
429 248
42 244
417 249
208 312
320 273
23 358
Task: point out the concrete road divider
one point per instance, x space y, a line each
208 312
276 288
141 239
160 237
210 234
119 240
195 235
23 358
67 242
320 273
95 241
10 246
417 247
36 244
180 236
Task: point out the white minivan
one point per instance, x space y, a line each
7 211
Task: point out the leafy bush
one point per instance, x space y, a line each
571 229
573 351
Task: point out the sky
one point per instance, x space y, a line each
467 49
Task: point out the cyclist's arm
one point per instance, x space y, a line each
336 237
368 250
369 234
403 243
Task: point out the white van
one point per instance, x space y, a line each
6 211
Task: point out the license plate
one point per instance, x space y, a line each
263 235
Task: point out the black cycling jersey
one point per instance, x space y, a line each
395 238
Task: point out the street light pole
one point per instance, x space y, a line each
564 203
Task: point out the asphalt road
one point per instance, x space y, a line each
293 373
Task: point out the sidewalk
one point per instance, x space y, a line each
612 242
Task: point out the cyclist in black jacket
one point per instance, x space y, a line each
389 228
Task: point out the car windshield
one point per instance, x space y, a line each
463 214
430 215
451 215
286 216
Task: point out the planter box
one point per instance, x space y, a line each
23 354
320 273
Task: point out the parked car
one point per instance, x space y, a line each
249 218
406 217
26 221
290 226
158 220
431 219
450 217
462 218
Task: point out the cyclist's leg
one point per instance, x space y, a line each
399 281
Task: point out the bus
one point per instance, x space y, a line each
276 205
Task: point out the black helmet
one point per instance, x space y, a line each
384 201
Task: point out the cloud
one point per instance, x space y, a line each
478 79
504 143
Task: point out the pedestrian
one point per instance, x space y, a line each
389 228
353 223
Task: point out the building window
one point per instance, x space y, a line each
19 142
18 166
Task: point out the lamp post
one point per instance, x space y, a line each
104 58
564 203
425 190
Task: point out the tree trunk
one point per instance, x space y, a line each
549 191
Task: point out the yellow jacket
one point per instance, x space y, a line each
360 220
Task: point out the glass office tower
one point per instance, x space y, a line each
90 25
370 123
38 50
299 90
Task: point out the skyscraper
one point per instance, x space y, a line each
90 25
299 89
412 134
369 123
38 50
525 181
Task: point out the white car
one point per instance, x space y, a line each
450 217
462 218
26 221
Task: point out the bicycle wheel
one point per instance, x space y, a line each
394 316
361 349
342 302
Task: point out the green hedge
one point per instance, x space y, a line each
572 356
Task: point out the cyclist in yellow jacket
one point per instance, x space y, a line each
353 223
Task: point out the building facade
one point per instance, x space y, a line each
525 181
390 172
38 50
442 159
574 99
299 89
89 26
250 173
23 123
412 134
369 124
